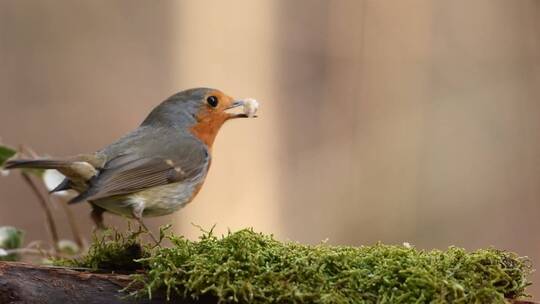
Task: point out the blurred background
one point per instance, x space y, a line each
393 121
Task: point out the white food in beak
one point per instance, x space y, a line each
250 107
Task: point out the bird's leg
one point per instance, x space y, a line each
137 215
97 216
147 230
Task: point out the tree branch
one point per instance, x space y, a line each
43 202
26 283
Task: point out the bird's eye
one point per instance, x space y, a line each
212 101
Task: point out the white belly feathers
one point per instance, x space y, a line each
155 201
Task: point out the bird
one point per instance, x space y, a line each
157 168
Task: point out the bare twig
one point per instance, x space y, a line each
34 251
25 150
71 221
43 202
34 244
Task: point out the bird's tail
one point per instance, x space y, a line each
37 164
60 165
77 172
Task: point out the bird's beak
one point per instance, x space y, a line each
241 103
236 104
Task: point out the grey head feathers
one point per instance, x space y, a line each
179 110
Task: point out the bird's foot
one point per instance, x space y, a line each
141 223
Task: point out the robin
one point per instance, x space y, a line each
157 168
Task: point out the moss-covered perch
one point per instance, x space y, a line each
248 267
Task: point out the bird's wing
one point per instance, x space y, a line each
131 173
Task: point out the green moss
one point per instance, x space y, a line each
249 267
6 153
112 251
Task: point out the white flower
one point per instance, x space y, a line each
407 245
250 107
53 178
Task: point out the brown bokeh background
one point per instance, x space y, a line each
387 121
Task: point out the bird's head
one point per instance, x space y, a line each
201 111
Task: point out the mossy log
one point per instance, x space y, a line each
27 283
